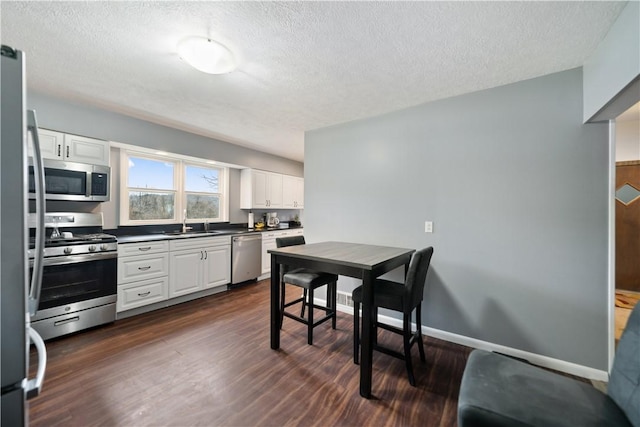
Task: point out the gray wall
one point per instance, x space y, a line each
54 113
516 186
65 116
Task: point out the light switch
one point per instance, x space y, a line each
428 226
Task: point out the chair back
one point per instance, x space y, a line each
282 242
417 276
624 382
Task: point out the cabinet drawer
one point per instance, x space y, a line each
142 267
142 248
144 292
198 242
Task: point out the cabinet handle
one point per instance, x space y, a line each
67 151
201 255
144 268
145 249
59 150
144 294
206 254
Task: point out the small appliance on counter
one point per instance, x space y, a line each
272 219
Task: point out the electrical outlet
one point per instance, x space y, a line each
428 226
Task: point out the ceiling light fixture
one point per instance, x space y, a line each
206 55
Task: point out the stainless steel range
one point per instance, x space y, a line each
79 283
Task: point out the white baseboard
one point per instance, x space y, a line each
533 358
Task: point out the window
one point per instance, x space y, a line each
202 192
151 189
158 190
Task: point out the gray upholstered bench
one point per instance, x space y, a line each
499 391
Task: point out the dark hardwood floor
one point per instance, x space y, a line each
208 363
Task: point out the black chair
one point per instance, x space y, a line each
499 391
399 297
308 280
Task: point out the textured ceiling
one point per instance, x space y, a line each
303 65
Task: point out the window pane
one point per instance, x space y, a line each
202 206
143 205
202 180
147 173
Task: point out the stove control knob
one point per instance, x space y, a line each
104 247
67 251
92 248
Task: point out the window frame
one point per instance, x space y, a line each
179 191
222 193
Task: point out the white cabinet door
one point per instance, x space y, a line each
86 150
292 192
74 148
299 192
142 248
185 272
132 268
51 144
260 196
274 191
260 190
217 266
141 293
266 256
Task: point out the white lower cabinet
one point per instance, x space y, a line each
198 263
269 242
151 272
144 292
143 274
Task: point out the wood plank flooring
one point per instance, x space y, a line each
208 363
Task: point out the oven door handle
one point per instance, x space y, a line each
72 259
38 173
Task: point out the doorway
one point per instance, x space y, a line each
627 216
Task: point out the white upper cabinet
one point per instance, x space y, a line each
74 148
260 189
292 192
268 190
86 150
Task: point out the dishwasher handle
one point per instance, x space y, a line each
243 239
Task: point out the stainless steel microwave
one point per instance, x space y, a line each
73 181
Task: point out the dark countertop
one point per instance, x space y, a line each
196 234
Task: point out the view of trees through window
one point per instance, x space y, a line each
145 205
154 194
201 188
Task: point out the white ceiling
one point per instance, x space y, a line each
303 65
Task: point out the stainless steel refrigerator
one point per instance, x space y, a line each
19 284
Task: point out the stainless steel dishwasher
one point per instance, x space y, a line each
246 257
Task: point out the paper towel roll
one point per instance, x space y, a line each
250 220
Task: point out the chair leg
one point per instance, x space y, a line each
356 333
310 325
406 320
304 300
374 330
282 286
419 331
333 290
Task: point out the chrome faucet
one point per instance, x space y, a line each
184 222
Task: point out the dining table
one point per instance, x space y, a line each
361 261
